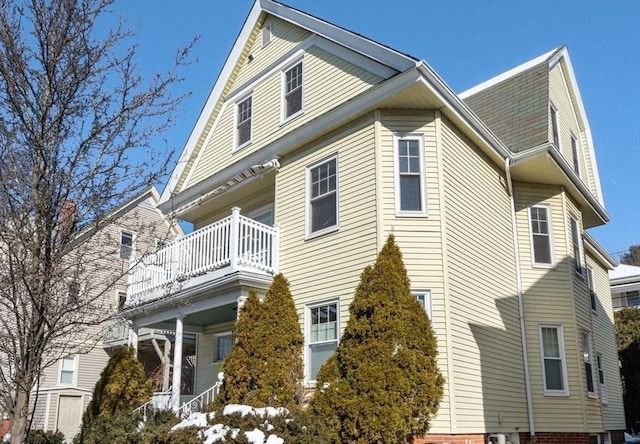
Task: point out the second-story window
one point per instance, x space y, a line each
576 245
410 181
67 370
126 245
323 196
587 356
555 126
243 122
293 84
540 235
74 293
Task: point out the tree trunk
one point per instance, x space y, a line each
18 418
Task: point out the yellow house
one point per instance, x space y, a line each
316 143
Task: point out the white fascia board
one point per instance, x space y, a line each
380 53
598 251
213 99
507 74
563 55
462 110
293 138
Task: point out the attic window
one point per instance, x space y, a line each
266 35
554 126
243 122
293 83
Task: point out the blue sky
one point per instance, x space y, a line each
466 42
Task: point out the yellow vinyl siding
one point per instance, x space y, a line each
604 338
560 97
485 342
206 369
328 82
328 267
247 204
548 300
419 238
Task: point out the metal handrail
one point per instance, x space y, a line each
197 403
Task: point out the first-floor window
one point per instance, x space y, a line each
224 342
604 397
588 362
323 335
424 298
323 195
410 181
67 370
553 360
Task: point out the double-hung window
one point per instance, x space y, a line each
322 206
587 355
604 397
554 373
592 291
576 242
243 122
555 126
410 180
223 342
126 245
322 335
576 154
540 235
74 293
293 91
67 370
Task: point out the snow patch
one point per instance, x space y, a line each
195 419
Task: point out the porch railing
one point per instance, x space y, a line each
235 241
196 404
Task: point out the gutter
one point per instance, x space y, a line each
516 256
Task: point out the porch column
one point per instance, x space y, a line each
177 366
166 366
133 338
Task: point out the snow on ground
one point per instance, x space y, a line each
218 431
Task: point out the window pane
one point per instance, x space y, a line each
126 245
410 193
541 249
550 345
589 375
66 377
319 354
323 213
553 374
223 347
633 298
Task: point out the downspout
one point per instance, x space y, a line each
516 255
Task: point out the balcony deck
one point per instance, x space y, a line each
226 246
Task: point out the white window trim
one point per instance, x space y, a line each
563 356
580 259
535 264
307 335
583 334
423 179
133 244
215 344
74 383
244 97
308 233
283 85
428 301
555 120
268 30
118 293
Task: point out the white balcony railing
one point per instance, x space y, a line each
235 241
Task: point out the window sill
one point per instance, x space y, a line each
592 395
320 233
543 266
556 394
411 214
286 120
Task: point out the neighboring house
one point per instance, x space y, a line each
66 387
316 143
625 286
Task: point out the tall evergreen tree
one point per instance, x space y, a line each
242 366
279 382
627 322
122 387
383 384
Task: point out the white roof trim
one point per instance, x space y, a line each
506 75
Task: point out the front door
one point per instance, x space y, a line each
69 416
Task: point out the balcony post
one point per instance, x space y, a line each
275 249
234 236
177 365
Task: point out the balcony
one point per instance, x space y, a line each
235 243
